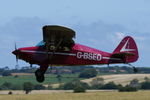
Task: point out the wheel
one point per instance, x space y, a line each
40 79
39 75
135 70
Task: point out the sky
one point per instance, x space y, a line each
100 24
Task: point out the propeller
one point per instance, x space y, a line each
16 53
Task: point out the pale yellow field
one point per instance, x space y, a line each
123 79
141 95
21 74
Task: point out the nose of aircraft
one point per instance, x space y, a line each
15 52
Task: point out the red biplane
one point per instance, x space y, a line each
59 48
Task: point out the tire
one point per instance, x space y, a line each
39 75
40 79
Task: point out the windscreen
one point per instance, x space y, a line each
40 44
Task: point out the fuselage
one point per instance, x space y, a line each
78 55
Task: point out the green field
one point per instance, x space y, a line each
141 95
123 79
49 79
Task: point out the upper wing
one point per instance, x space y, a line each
58 37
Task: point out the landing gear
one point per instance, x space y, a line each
135 70
39 73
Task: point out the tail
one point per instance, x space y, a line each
126 51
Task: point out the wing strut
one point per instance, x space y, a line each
54 50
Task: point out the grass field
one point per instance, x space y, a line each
49 79
141 95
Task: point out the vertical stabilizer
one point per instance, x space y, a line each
128 49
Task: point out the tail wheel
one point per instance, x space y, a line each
39 75
135 70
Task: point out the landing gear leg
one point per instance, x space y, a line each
134 68
39 73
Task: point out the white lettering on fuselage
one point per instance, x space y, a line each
89 56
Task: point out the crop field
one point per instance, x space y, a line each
123 79
103 95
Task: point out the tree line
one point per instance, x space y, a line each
79 86
6 71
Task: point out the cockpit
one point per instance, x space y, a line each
64 48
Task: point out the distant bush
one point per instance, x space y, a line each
6 73
88 73
127 89
79 89
110 85
134 83
28 87
145 85
73 84
96 87
68 86
16 76
147 79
